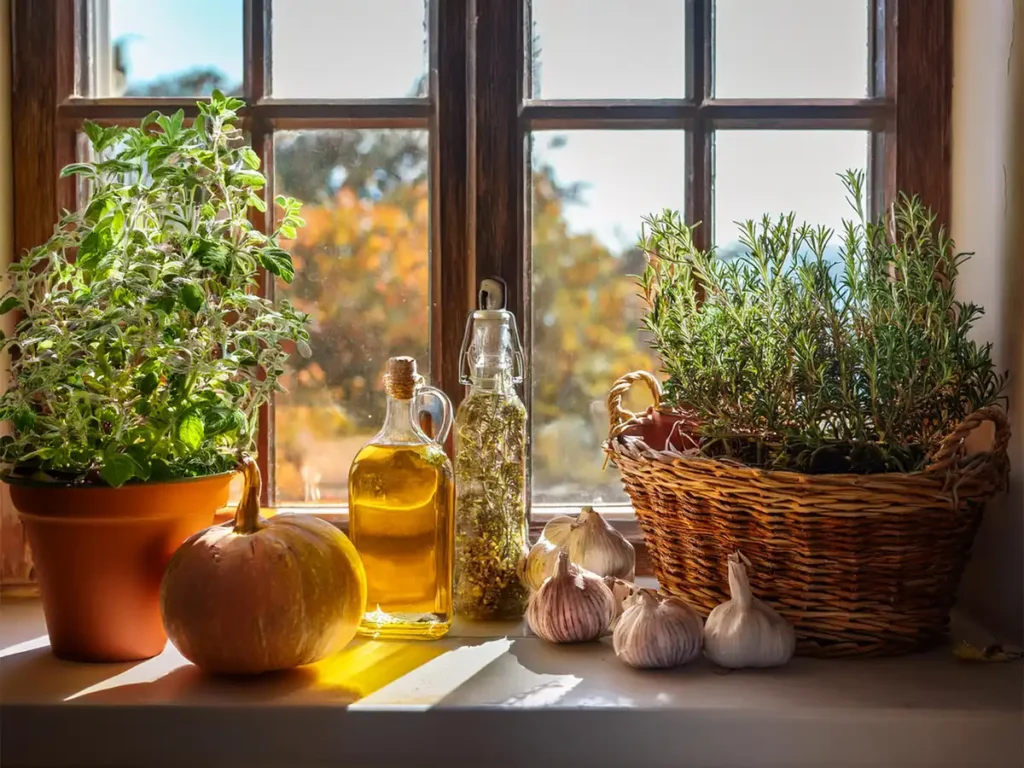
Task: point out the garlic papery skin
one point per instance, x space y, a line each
540 563
557 530
596 546
745 631
655 632
623 592
571 606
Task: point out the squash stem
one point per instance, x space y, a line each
247 516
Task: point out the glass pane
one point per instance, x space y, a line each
362 273
791 48
349 49
590 190
162 47
774 172
612 49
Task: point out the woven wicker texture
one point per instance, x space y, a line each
862 565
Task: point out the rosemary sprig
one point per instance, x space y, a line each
804 355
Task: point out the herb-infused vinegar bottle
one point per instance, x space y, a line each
401 504
491 529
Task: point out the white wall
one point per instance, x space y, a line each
988 218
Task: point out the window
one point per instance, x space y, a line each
436 142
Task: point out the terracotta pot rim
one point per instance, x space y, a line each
80 518
24 482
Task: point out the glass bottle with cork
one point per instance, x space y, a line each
491 526
401 514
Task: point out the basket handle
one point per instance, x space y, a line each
619 416
951 448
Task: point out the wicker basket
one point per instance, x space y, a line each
862 565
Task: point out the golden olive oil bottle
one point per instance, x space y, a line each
401 514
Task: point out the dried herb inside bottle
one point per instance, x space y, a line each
491 541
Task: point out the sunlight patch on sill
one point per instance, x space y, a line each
424 687
42 641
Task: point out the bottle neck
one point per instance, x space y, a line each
492 379
399 423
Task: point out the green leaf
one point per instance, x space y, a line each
250 158
278 262
81 169
122 296
93 249
191 429
165 303
45 344
118 469
251 179
140 455
147 383
257 203
23 419
192 296
94 131
98 208
9 303
159 470
213 256
303 349
224 421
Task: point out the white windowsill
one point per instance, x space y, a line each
492 695
621 516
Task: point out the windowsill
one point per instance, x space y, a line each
494 695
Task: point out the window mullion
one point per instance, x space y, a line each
450 267
261 137
497 161
699 139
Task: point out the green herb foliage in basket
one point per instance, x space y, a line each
790 359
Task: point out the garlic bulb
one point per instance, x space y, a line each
571 606
656 631
540 563
593 544
622 591
745 631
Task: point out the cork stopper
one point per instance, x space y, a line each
401 378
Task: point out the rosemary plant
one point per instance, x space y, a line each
791 358
143 350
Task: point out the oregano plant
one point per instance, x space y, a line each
814 353
143 349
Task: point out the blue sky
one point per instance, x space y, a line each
588 49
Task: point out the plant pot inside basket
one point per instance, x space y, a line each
100 554
662 429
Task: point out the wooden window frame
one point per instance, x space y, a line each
479 123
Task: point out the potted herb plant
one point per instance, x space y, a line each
140 359
829 388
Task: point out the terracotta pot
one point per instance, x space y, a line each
100 554
666 426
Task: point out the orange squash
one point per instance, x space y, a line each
259 595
